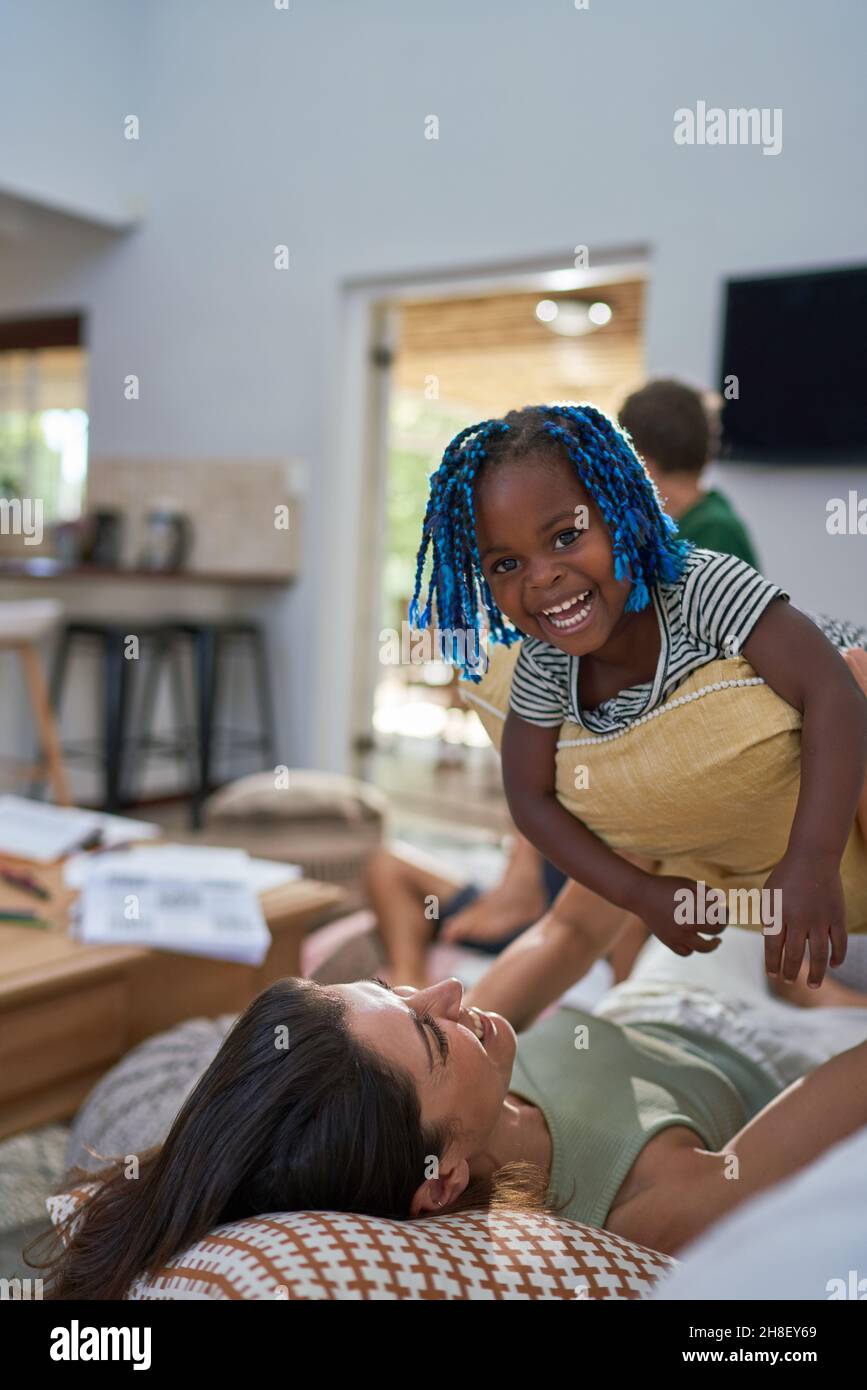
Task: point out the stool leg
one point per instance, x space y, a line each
58 669
59 664
43 714
263 691
182 719
115 710
142 745
206 699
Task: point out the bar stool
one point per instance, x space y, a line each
110 747
22 627
212 644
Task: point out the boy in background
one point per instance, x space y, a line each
676 435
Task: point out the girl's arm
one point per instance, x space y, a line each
528 754
805 669
856 660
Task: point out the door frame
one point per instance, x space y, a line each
369 308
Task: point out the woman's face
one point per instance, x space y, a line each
459 1076
546 553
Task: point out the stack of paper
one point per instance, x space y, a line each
197 900
39 831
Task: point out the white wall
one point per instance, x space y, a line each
71 73
305 126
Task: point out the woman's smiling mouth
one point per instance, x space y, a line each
570 615
482 1025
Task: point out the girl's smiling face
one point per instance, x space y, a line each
549 572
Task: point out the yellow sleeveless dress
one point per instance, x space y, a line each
705 785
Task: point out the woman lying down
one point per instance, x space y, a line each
409 1103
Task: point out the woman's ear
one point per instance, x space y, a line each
435 1194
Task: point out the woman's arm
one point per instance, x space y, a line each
549 957
810 1116
802 666
696 1188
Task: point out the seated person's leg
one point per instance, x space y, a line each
407 898
626 948
831 994
415 902
489 921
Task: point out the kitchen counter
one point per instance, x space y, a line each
44 568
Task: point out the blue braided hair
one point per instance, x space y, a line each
643 537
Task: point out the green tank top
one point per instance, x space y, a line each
606 1089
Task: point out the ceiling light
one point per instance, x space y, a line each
599 313
546 311
572 319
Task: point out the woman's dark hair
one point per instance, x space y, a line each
643 537
295 1113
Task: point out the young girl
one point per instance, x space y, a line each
546 526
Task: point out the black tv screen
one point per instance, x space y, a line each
797 347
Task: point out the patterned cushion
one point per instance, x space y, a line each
335 1255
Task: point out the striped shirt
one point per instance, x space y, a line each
706 614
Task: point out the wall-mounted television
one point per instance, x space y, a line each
796 347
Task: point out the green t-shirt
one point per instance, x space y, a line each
713 524
607 1092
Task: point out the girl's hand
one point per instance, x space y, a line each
810 907
668 907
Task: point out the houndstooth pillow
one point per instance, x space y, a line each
340 1256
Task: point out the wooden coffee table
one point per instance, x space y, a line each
68 1011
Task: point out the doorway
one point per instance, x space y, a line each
441 358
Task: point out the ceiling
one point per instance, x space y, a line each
492 353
